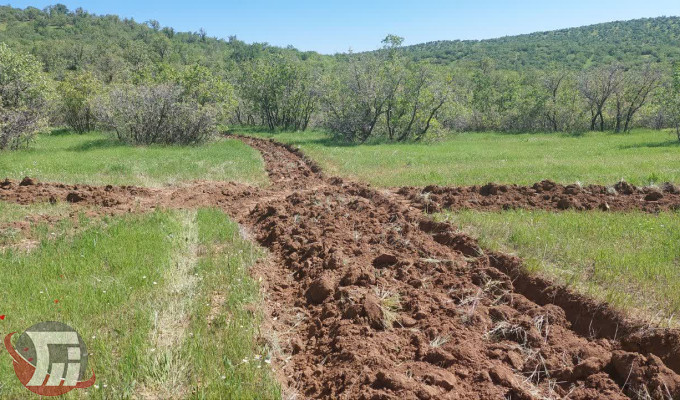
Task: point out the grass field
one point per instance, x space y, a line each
10 212
639 157
148 313
95 158
631 260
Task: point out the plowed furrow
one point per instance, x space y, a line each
545 195
376 301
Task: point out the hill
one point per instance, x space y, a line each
634 42
116 47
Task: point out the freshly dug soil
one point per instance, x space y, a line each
370 299
545 195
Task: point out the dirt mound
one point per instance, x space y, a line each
545 195
375 301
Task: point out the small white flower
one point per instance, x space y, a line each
155 283
257 356
144 277
94 337
105 385
268 361
153 350
223 377
96 386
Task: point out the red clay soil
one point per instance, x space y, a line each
545 195
373 300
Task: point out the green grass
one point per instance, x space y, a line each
639 157
95 158
631 260
115 279
10 212
227 362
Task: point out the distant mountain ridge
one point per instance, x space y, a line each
633 42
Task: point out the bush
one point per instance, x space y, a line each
23 96
75 106
156 115
18 127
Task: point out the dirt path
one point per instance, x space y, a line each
372 300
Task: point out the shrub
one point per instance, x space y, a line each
18 127
76 96
156 115
23 95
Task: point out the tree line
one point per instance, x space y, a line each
181 90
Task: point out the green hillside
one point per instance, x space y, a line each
117 47
634 42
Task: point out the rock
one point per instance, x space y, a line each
74 197
319 290
654 196
384 260
604 206
28 182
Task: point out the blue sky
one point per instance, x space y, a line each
330 26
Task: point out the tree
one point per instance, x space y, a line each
416 102
632 94
563 106
282 90
553 85
672 100
355 97
201 85
597 87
